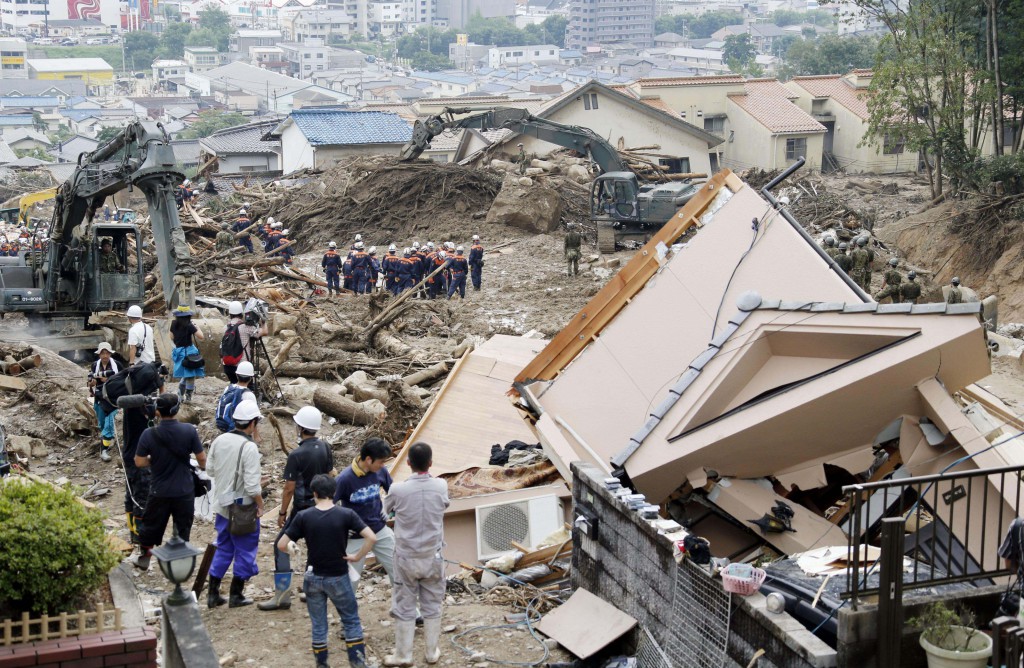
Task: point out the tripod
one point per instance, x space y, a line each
256 368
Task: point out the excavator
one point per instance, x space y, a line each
15 211
620 207
73 276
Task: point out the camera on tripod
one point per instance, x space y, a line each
256 312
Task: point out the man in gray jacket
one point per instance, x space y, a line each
419 504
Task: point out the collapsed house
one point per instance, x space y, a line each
731 367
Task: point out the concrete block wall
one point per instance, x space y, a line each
129 647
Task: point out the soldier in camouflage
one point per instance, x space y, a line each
225 240
861 261
521 159
842 259
573 241
109 264
910 291
954 296
829 247
891 284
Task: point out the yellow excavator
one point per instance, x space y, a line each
18 215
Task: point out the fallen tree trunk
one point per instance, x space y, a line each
281 356
280 248
346 410
287 274
13 367
246 231
426 375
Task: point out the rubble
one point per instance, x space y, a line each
531 207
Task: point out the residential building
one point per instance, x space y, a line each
13 58
43 104
306 57
594 22
321 24
700 61
762 35
768 130
244 40
236 100
97 73
385 17
67 88
275 91
446 84
457 13
90 122
467 57
26 139
312 139
839 103
166 69
76 28
69 149
669 40
418 12
269 58
514 56
202 58
241 149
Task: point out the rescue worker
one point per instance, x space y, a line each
241 224
891 283
360 269
573 241
273 239
390 269
406 270
420 257
374 269
109 262
910 291
185 192
860 259
521 159
955 295
225 240
436 282
288 252
843 259
265 231
346 272
830 247
103 368
418 505
458 267
332 268
476 261
311 458
140 338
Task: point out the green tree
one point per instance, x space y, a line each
214 28
830 54
496 31
739 53
430 62
787 17
705 25
172 40
62 133
37 153
140 49
554 29
106 134
211 121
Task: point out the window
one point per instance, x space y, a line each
796 147
590 101
893 144
675 165
319 55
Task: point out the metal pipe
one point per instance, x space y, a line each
766 193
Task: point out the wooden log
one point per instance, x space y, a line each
286 274
280 433
429 374
281 356
239 235
242 264
346 410
280 248
12 367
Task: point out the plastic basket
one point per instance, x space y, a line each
742 579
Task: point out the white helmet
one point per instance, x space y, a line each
392 248
442 254
135 311
406 251
246 411
241 211
476 237
372 251
187 182
277 225
459 249
270 220
235 308
245 369
430 245
332 245
285 232
449 245
415 245
359 237
359 245
309 418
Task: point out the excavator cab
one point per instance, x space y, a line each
114 270
613 198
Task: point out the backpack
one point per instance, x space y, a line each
226 407
231 348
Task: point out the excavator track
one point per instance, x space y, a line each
605 239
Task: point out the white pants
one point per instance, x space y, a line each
383 551
418 582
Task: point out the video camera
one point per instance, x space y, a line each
103 373
256 312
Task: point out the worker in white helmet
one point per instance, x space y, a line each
140 338
237 343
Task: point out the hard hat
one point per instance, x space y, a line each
235 308
246 411
332 245
309 418
270 220
277 225
911 274
893 262
415 245
187 182
830 241
245 369
392 248
104 346
955 281
843 246
373 250
476 237
359 245
520 144
862 241
241 211
442 254
182 311
406 251
285 232
359 237
459 249
135 311
430 244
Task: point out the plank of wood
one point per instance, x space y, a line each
12 384
573 624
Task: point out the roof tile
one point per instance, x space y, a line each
334 127
768 102
839 89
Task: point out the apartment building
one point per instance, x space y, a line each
202 58
512 56
594 22
13 58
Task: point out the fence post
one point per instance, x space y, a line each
890 595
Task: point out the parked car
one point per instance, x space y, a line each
92 41
67 41
45 41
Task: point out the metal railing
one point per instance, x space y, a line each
954 524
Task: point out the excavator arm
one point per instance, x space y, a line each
582 140
140 156
26 202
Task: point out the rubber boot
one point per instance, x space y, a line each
105 449
402 656
321 654
432 634
356 653
237 599
282 599
213 597
141 560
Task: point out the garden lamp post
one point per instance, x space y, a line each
177 560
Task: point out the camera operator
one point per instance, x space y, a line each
236 346
102 369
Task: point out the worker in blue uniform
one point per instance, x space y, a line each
476 261
332 268
458 267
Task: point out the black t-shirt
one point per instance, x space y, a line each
311 458
169 451
183 335
326 534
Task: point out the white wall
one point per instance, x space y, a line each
234 163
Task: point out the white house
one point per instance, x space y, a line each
512 56
314 138
242 149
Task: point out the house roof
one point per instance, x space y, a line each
67 87
837 88
186 151
259 81
669 37
57 65
61 171
34 102
7 154
17 134
335 127
241 139
770 103
725 79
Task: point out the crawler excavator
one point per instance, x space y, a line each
67 281
620 207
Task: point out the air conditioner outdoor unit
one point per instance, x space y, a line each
526 522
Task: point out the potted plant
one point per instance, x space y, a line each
950 639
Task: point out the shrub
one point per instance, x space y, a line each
55 552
